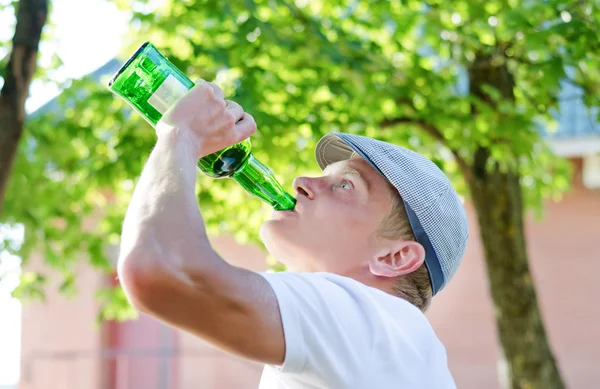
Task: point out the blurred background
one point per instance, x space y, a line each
501 94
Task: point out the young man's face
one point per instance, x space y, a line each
334 225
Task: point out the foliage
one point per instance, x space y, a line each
390 69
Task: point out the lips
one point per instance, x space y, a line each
278 215
294 212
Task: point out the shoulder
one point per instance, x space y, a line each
343 304
329 288
353 332
336 289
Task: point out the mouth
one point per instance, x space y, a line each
279 215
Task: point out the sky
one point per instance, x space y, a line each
85 35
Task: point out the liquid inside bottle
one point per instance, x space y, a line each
226 162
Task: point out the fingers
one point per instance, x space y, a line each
234 110
219 95
239 124
217 91
245 127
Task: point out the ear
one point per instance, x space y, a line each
397 258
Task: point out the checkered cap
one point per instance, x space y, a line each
434 210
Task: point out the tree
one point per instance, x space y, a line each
467 83
18 74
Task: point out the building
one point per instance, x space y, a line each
63 349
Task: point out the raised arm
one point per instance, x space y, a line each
167 266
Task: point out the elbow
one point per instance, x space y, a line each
138 278
153 279
150 283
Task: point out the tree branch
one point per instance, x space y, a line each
21 66
429 128
434 132
528 62
31 18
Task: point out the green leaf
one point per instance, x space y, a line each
302 72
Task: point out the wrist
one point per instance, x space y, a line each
174 159
179 140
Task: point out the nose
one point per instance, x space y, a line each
304 186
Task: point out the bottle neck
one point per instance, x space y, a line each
259 181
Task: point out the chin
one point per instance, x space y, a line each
268 232
280 243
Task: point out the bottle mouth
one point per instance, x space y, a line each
126 64
288 206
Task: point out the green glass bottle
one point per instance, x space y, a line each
151 85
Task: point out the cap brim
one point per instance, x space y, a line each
331 149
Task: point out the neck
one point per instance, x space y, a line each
364 276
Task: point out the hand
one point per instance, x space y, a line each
205 119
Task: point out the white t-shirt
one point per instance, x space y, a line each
342 334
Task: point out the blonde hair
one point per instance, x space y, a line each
414 287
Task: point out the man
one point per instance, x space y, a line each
368 245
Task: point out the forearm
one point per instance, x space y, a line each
167 267
163 227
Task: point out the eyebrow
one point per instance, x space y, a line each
357 173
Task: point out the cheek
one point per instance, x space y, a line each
329 214
338 220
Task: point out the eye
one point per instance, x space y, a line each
346 185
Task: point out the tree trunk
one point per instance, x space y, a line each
31 18
497 197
